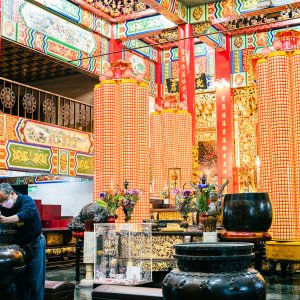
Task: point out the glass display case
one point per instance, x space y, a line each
123 253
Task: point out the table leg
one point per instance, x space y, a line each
283 266
259 250
272 269
79 248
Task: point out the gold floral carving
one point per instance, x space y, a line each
182 10
200 28
163 245
238 42
55 239
139 246
166 36
206 117
245 123
197 13
196 170
169 215
163 265
289 252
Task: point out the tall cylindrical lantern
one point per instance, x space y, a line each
143 175
106 136
295 80
169 132
264 150
281 145
129 134
183 146
157 153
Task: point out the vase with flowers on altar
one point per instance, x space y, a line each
111 200
185 204
128 200
208 202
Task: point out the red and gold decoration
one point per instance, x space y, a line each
246 159
224 116
287 40
121 118
279 134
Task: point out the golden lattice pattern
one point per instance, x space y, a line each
206 117
245 123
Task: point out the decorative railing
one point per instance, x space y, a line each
36 104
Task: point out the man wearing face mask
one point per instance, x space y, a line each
22 210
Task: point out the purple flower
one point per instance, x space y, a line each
102 195
202 185
187 193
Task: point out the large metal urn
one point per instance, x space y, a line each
12 258
247 212
214 271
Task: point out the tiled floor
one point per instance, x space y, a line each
283 289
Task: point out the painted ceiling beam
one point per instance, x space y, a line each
141 48
209 35
149 26
169 9
221 11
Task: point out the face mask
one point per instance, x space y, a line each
9 203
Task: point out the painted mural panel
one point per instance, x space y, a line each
143 49
63 162
30 145
143 66
28 157
63 7
84 164
39 133
142 26
53 26
78 15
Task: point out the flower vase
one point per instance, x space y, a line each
111 219
184 224
209 230
127 214
201 218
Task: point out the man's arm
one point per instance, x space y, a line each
7 220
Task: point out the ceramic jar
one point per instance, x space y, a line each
247 212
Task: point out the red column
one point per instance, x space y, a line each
224 115
186 55
158 76
115 46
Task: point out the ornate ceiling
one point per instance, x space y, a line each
195 2
115 8
25 65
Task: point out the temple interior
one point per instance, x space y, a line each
160 141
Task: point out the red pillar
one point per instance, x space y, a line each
158 76
224 115
186 55
115 46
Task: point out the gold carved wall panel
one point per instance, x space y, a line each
206 135
245 138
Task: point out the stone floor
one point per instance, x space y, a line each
283 289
